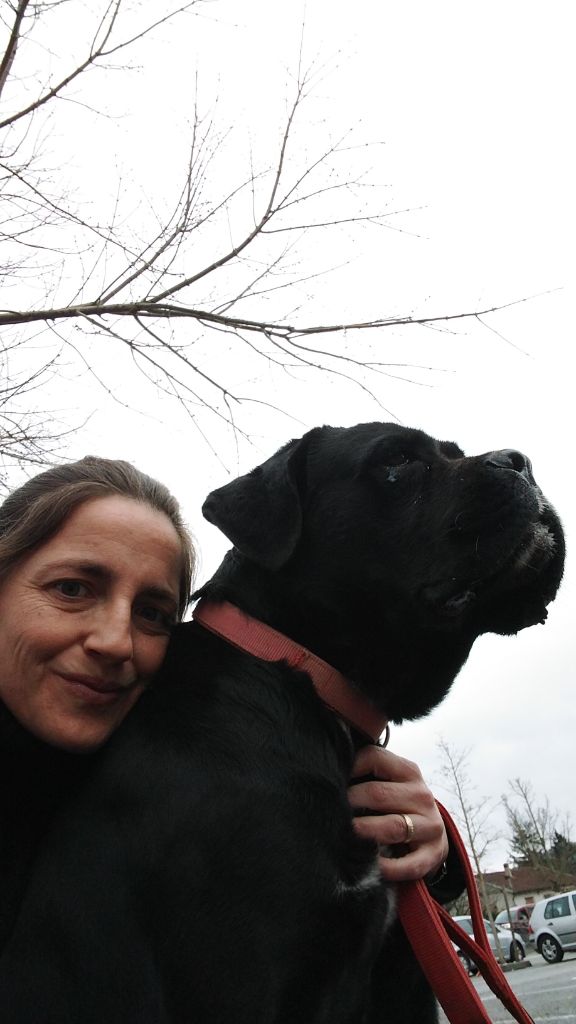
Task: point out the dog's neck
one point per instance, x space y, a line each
243 631
403 674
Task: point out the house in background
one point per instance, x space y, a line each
524 885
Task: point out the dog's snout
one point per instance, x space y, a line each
510 459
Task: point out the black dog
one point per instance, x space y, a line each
206 871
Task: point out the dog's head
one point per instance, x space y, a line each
388 553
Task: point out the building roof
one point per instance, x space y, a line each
523 879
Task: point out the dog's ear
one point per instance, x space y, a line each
261 512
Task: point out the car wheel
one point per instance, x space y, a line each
468 964
517 951
550 949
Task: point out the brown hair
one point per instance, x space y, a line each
37 510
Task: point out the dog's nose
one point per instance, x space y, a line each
510 459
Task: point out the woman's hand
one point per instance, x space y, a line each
398 788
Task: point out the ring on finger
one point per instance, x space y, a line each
409 825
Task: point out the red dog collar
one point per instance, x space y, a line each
255 637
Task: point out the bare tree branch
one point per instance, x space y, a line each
10 51
98 51
153 308
224 254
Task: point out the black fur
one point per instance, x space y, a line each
206 870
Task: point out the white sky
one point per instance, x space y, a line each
474 103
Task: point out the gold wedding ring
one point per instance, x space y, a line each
409 826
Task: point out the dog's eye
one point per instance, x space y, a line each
396 459
390 466
387 462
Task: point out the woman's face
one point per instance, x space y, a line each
85 621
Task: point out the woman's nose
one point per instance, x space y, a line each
110 634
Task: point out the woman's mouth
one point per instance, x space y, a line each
93 690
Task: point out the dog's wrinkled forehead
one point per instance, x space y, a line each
345 451
262 511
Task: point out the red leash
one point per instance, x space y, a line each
430 930
428 926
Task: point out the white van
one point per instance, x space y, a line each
553 926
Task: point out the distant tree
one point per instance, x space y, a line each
539 836
563 852
472 813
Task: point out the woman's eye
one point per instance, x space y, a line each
156 616
150 613
71 588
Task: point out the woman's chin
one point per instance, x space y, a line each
76 733
74 739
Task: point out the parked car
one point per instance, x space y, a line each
520 920
510 942
553 925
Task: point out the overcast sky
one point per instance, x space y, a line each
471 107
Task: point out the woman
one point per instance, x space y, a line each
95 568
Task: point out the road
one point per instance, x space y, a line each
548 991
